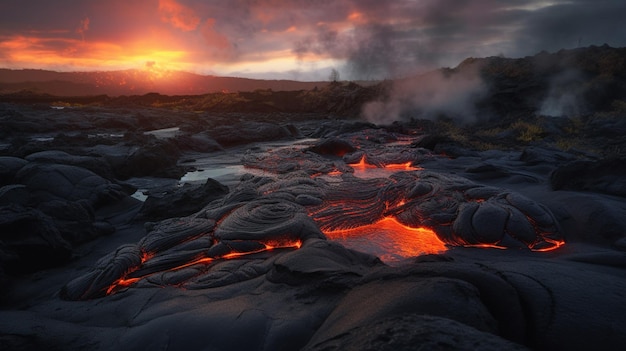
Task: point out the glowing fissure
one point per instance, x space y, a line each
361 219
125 282
373 222
362 164
391 215
365 169
407 166
555 242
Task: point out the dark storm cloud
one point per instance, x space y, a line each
398 37
578 22
395 38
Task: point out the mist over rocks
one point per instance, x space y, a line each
448 93
573 82
570 83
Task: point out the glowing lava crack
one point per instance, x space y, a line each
406 214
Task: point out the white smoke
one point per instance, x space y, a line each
565 95
443 93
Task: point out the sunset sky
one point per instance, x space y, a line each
297 39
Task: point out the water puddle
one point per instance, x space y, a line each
164 133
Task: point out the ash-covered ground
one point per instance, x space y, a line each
497 222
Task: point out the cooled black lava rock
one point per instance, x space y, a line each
605 176
9 166
333 146
182 201
95 164
46 182
157 158
200 142
30 240
537 155
244 133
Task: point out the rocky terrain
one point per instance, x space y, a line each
284 220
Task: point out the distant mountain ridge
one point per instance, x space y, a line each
569 82
135 82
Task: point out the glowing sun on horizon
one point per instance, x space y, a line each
156 70
156 62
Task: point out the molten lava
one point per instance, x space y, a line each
335 173
127 281
364 169
362 164
389 240
407 166
555 244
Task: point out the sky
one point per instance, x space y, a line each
295 39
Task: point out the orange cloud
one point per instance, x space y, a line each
62 53
264 14
357 17
212 37
180 16
219 45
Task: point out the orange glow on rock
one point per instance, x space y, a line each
268 246
408 166
550 244
120 284
555 245
125 282
362 164
389 239
364 169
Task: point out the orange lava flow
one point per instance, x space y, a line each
389 239
408 166
364 166
268 246
295 244
556 244
553 245
121 283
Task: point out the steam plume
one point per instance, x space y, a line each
443 93
565 95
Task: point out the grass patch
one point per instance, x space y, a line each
527 132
